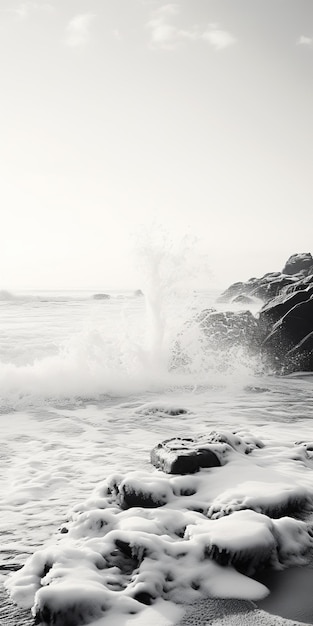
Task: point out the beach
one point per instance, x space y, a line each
62 437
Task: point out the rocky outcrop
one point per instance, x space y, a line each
276 308
298 263
289 342
296 274
263 288
282 331
300 283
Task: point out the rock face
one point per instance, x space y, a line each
263 288
298 263
289 341
282 332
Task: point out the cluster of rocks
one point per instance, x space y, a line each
282 332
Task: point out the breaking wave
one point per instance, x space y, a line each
84 347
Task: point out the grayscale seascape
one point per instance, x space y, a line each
156 313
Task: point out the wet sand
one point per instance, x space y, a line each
290 603
210 612
291 593
231 613
11 615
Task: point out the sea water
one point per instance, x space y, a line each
76 377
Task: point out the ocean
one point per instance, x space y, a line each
90 385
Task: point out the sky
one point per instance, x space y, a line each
122 117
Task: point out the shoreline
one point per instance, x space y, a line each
216 612
206 612
290 593
11 614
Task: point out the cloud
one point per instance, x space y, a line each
23 10
162 33
117 34
218 38
166 35
78 30
305 41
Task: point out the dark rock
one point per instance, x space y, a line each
182 456
134 491
289 332
231 292
188 455
276 308
281 333
300 284
264 288
144 597
269 287
101 296
130 497
298 263
242 300
124 547
78 613
158 409
300 357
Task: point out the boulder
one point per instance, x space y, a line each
276 308
182 456
188 455
242 300
298 263
134 491
101 296
288 333
225 329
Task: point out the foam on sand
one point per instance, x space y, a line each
148 539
